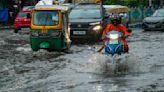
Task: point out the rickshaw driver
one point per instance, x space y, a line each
115 25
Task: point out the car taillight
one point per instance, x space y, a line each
16 20
25 19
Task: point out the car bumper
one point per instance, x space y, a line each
85 34
153 26
17 26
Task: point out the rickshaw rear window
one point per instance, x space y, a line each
46 18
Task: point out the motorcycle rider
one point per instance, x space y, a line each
115 24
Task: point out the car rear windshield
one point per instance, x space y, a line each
85 14
45 18
159 13
22 15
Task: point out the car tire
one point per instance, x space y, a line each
16 30
145 30
34 47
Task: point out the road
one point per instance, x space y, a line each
22 70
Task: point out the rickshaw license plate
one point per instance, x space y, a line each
43 34
113 41
79 32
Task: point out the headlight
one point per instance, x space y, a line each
97 27
95 23
113 36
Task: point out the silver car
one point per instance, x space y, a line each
154 22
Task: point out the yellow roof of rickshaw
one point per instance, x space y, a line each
116 8
51 7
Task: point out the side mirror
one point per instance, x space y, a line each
28 15
129 30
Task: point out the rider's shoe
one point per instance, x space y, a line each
126 48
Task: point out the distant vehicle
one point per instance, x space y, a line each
28 7
114 45
49 28
87 22
154 22
120 10
22 21
69 5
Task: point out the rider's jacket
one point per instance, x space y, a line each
119 27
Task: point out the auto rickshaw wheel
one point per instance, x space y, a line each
35 49
67 49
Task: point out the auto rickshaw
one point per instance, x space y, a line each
118 9
49 28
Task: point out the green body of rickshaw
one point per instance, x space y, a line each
49 28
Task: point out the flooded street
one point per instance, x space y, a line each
83 70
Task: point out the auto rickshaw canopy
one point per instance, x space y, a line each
52 7
116 8
62 10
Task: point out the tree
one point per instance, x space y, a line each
127 2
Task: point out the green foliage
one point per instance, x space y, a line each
127 2
2 4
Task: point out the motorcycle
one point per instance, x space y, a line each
114 46
114 43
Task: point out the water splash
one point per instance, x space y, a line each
101 63
25 48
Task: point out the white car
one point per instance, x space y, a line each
154 22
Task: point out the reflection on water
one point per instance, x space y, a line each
84 70
102 63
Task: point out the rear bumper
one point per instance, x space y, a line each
54 43
17 26
153 26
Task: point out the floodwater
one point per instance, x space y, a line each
83 70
